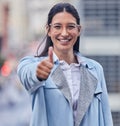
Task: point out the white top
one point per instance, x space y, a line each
72 74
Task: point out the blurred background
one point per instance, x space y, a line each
22 26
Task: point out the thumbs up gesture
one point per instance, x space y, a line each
45 66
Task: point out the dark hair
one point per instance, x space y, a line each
60 7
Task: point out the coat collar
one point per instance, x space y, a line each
61 82
85 61
87 89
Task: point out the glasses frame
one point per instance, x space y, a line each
69 27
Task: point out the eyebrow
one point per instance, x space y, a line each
67 24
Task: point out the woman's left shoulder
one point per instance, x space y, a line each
90 63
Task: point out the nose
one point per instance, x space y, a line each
64 31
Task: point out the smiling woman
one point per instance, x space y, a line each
67 89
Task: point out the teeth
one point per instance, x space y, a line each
65 40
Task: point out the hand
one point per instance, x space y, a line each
45 66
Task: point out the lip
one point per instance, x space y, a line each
64 40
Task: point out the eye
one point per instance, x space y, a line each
70 27
57 26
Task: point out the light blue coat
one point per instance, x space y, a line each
51 99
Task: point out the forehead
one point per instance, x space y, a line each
64 17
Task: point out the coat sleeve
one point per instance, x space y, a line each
105 101
27 73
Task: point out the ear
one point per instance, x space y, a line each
48 30
79 29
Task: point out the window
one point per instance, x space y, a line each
101 17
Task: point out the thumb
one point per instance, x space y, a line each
50 54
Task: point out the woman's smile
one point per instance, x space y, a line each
64 40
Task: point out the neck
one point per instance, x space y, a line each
67 57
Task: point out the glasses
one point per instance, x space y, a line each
59 27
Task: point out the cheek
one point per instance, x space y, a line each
52 35
75 35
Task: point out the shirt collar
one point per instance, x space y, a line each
55 59
81 59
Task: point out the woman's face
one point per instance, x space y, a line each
64 32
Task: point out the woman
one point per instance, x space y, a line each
67 89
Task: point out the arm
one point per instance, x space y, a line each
32 71
27 73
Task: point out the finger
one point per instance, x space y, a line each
42 74
45 63
45 67
50 54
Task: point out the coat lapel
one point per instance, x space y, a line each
61 82
87 89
